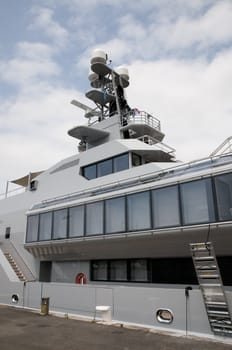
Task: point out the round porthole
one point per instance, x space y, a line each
164 316
15 298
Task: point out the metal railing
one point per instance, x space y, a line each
142 117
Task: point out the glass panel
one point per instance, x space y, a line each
121 162
224 196
115 215
139 270
45 226
99 270
138 211
60 224
90 172
136 159
105 168
76 221
197 202
32 228
166 207
118 270
94 218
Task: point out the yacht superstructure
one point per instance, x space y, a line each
120 227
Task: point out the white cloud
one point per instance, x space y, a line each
44 22
31 62
191 98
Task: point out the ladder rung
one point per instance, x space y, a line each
206 267
216 303
209 276
204 258
218 313
210 285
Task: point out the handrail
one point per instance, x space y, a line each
142 117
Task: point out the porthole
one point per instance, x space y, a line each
15 298
164 316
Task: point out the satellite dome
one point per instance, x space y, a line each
98 56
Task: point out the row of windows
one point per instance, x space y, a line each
106 167
200 201
161 270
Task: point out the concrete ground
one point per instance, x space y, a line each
26 330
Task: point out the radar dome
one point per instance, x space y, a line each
123 71
98 56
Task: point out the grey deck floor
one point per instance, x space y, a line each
25 330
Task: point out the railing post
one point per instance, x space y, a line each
7 186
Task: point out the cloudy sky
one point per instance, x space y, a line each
179 55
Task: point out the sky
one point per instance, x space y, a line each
179 56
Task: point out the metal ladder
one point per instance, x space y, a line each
210 282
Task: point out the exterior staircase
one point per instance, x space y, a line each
15 267
16 261
210 282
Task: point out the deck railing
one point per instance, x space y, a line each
141 117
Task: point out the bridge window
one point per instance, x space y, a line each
106 167
76 221
60 224
115 215
224 196
99 270
138 211
197 202
32 228
45 226
166 209
94 218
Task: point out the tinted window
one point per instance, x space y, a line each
105 168
138 211
94 218
118 270
60 224
99 270
32 228
224 196
197 202
121 162
45 226
90 172
166 207
139 270
115 215
76 221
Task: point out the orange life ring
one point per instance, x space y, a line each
81 278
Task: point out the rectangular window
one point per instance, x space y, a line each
105 168
118 270
60 223
197 202
138 211
99 270
115 215
76 221
224 196
136 159
45 226
90 172
32 228
139 270
121 162
166 211
94 218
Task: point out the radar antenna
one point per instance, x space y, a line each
89 112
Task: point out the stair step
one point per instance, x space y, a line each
218 313
216 303
210 285
204 258
213 276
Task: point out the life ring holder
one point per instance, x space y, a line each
81 278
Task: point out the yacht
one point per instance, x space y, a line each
122 231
